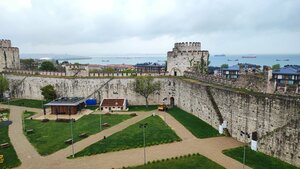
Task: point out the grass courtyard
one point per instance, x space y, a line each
27 103
49 137
157 132
196 126
10 157
195 161
142 108
257 160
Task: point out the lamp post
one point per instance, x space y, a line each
71 132
143 126
100 120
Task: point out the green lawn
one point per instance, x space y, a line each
49 137
27 103
27 114
196 126
157 132
257 160
10 157
142 108
186 162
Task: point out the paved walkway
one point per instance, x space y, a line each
211 147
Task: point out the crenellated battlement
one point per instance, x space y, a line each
15 49
5 43
188 46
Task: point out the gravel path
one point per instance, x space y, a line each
211 147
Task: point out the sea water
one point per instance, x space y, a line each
260 59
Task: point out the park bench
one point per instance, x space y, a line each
83 135
69 141
4 145
29 131
105 125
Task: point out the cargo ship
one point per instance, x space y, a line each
221 55
248 56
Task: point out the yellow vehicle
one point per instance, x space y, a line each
162 107
1 159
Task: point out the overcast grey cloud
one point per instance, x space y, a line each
90 27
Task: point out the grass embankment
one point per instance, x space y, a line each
157 132
257 160
196 126
10 157
49 137
142 108
27 103
195 161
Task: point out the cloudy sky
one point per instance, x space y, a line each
93 27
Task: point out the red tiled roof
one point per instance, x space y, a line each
112 102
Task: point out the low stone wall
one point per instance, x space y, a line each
81 73
249 81
32 72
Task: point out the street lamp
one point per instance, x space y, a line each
144 125
71 132
244 154
100 120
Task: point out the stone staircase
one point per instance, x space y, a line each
216 108
100 87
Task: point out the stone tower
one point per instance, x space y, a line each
184 56
9 56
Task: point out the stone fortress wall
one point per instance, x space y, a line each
184 55
9 56
275 119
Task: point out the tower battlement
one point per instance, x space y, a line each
5 43
184 56
188 46
9 56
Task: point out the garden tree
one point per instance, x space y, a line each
145 86
4 84
201 67
47 66
276 67
28 64
224 66
48 92
108 70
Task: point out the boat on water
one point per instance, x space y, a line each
105 60
221 55
232 60
283 60
248 56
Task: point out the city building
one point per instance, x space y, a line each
287 75
231 72
149 67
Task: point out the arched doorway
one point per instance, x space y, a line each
172 103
